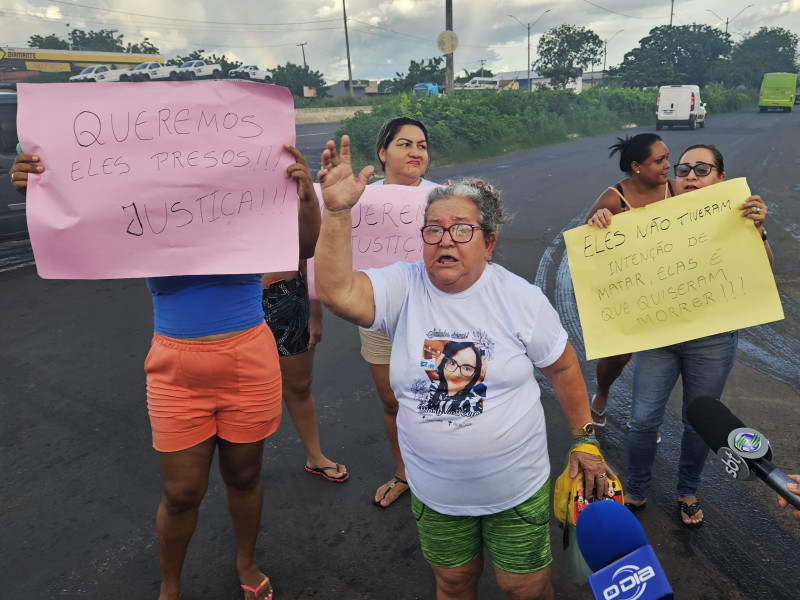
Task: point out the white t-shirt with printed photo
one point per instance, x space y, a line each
483 449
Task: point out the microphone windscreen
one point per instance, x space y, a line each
607 531
712 421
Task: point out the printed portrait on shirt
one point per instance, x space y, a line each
456 370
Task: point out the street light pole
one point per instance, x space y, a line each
728 21
605 48
528 27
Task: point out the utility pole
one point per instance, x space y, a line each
448 58
528 27
728 21
671 10
302 47
605 48
347 43
69 38
482 60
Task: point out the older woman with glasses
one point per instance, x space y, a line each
479 478
703 365
645 159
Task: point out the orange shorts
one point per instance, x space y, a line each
230 388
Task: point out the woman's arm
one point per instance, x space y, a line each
346 293
567 381
308 208
601 212
755 208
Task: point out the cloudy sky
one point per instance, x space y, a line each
385 35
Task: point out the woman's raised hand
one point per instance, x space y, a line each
340 187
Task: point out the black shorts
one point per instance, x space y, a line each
286 313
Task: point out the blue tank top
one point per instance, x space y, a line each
197 305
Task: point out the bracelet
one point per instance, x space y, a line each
587 439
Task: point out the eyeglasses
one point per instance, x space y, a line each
460 233
452 366
701 169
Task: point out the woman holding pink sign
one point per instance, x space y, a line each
402 150
296 323
213 383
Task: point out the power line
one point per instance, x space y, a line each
622 14
122 12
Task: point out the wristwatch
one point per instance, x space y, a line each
586 430
763 234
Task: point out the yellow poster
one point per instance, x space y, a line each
673 271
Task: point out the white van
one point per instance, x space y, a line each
680 105
481 83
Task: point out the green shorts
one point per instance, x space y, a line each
518 539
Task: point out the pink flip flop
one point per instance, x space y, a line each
257 589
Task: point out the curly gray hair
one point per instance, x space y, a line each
486 198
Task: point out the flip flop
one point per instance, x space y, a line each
395 481
634 508
321 472
689 510
602 413
255 590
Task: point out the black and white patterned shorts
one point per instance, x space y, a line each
286 313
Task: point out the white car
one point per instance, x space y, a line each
251 72
102 73
198 69
154 71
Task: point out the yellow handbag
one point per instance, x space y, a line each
569 495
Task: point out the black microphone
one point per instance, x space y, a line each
743 450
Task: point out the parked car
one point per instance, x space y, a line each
778 90
251 72
13 223
102 73
154 71
680 105
86 73
198 69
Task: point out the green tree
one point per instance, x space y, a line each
211 59
143 47
680 55
476 73
564 48
51 42
104 40
769 50
295 77
419 72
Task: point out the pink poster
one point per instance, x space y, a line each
160 178
386 227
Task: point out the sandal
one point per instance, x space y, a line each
689 510
395 481
634 508
597 414
255 590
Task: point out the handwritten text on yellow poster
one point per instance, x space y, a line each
673 271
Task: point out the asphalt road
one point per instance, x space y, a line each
81 484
